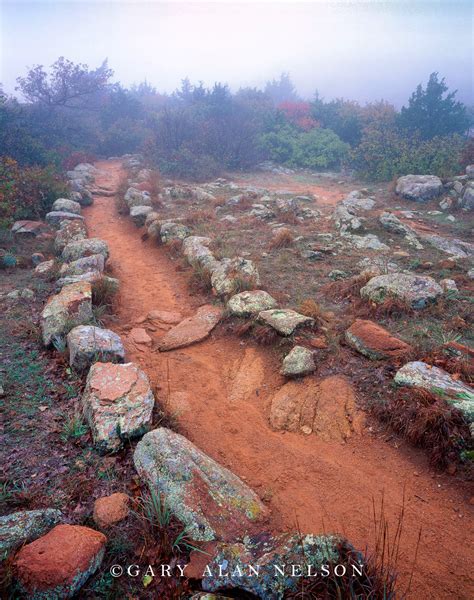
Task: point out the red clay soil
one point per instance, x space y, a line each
224 409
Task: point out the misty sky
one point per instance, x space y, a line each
359 50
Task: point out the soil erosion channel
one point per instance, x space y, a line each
221 391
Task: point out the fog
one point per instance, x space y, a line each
363 51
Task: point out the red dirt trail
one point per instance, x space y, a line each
322 485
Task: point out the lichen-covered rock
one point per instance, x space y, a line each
249 303
69 231
274 559
87 247
416 290
421 375
191 330
231 274
419 188
29 228
468 197
393 224
58 564
449 285
299 361
374 341
196 250
173 231
117 403
326 408
94 262
110 510
92 277
366 242
88 344
21 527
63 311
284 320
210 501
45 268
55 218
66 205
134 197
452 246
139 214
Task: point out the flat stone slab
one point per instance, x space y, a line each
117 403
249 303
58 564
284 320
56 217
326 408
421 375
29 228
25 526
191 330
269 555
210 501
88 344
374 341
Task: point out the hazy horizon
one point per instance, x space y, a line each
361 51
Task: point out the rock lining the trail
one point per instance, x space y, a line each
88 344
117 403
210 501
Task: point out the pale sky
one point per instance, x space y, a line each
358 50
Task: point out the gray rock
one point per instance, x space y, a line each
449 285
210 501
173 231
117 403
419 374
416 290
87 247
55 218
88 344
45 268
270 556
63 311
249 303
366 242
419 188
298 362
69 231
468 197
284 320
134 197
21 527
94 262
453 246
393 224
470 171
65 205
230 275
139 214
197 253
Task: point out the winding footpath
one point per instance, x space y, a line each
220 391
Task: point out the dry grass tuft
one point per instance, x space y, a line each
200 280
199 216
120 204
428 421
282 239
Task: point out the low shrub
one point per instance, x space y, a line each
27 193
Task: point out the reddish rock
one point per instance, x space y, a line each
58 564
138 335
110 510
29 228
375 342
192 330
165 316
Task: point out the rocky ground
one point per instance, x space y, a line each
275 342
